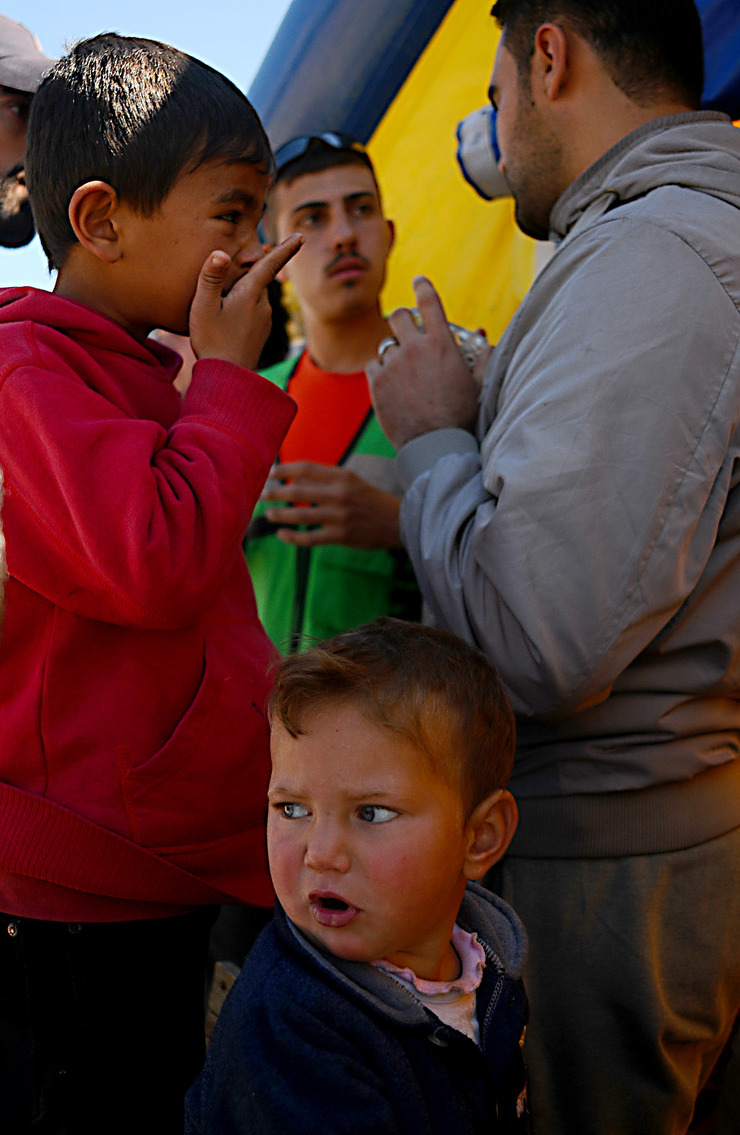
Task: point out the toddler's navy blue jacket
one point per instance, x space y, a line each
307 1043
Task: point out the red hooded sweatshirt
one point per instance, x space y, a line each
133 668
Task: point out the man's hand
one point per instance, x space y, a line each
422 384
234 327
344 509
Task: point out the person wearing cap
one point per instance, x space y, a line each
316 574
22 66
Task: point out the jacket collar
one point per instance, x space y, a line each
483 913
678 149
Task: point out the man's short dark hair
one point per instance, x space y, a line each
649 47
134 113
428 685
320 155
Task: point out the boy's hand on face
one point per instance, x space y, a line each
234 327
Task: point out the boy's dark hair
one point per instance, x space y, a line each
426 684
647 46
134 113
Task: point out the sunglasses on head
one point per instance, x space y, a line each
297 147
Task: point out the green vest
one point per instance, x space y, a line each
305 594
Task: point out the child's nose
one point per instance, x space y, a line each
327 849
250 251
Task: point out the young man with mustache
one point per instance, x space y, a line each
347 565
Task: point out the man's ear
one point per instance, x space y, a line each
391 233
490 830
549 64
93 217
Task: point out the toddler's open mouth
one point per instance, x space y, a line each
331 910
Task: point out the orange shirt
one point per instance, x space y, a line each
331 410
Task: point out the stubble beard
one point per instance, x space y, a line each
539 174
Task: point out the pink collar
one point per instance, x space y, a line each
472 959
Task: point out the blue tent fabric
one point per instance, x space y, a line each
339 64
721 26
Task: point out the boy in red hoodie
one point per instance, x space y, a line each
134 752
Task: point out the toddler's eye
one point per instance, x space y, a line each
375 814
293 811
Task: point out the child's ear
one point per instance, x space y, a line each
490 830
92 215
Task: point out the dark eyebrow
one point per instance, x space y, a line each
234 196
309 205
348 200
360 193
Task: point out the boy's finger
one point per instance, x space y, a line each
268 266
211 280
215 268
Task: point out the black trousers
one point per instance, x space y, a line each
101 1024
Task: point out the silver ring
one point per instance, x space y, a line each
388 342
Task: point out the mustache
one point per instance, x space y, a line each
340 256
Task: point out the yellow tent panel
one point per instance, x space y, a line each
480 263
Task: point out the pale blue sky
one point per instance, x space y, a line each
232 35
